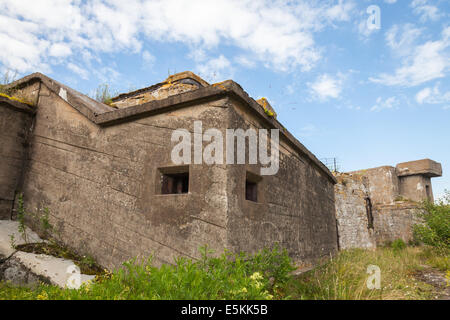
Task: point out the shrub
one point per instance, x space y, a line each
7 77
398 245
435 229
104 94
273 265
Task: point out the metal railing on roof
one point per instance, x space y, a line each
332 164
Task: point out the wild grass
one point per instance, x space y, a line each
436 258
10 93
7 77
265 275
345 276
104 94
231 276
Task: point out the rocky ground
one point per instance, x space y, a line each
437 279
25 268
13 270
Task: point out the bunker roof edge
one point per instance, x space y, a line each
104 115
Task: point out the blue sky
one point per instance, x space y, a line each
369 97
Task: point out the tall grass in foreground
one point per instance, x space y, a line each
265 275
230 276
344 277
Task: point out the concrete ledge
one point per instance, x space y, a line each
104 115
56 270
9 228
424 167
19 106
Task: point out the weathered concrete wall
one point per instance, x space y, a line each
395 194
162 92
98 171
295 207
100 184
415 188
14 127
424 167
383 184
395 221
101 187
352 212
173 85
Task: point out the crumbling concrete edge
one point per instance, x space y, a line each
46 268
104 115
21 107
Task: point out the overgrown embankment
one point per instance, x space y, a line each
263 276
398 271
401 270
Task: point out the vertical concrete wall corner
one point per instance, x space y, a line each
294 207
354 212
15 124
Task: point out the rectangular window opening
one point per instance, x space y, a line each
175 182
251 191
251 187
369 213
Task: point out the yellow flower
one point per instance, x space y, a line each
43 296
256 276
447 278
87 286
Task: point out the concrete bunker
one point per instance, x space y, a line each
392 197
106 176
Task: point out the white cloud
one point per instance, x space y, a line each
424 62
278 34
340 12
60 50
148 58
388 103
364 31
198 54
390 1
426 11
215 69
432 96
245 61
326 86
402 38
84 74
422 95
106 74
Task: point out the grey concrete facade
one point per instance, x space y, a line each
98 169
389 196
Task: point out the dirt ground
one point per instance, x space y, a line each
437 279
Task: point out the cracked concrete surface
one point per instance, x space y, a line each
20 267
